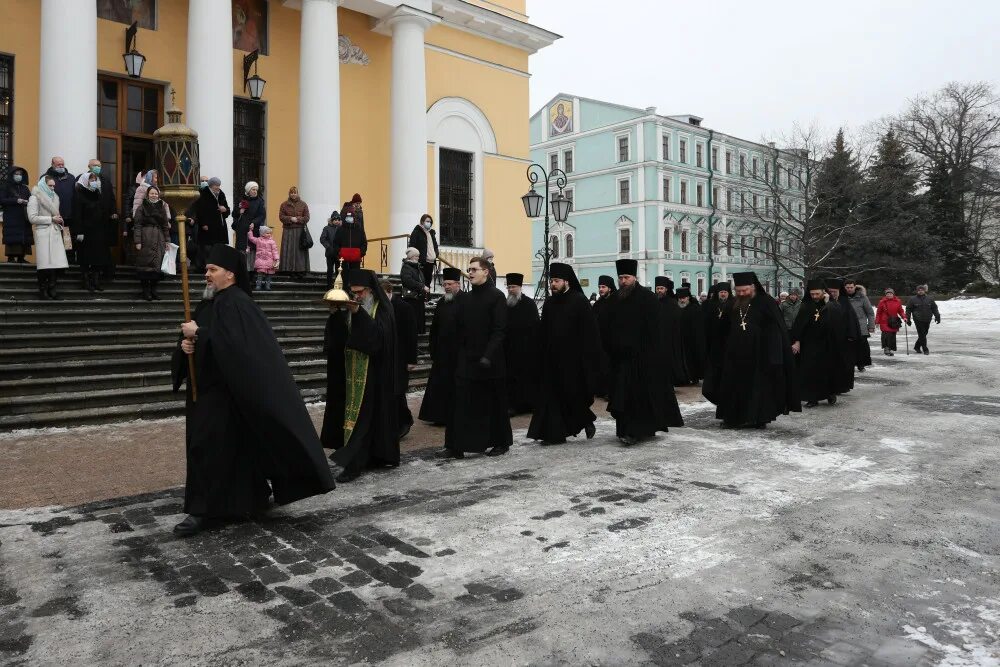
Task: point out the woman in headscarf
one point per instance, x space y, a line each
142 183
251 211
150 234
14 194
92 230
47 226
294 216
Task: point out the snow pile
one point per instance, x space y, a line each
970 309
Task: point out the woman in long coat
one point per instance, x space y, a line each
150 234
294 216
14 194
47 227
251 212
92 231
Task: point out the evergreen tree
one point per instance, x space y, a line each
832 238
896 246
947 227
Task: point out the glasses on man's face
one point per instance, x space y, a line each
473 269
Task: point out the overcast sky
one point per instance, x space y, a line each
751 68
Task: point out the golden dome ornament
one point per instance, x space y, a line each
336 297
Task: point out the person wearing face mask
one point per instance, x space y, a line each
351 243
14 195
328 239
424 239
252 213
294 217
209 211
48 227
354 208
109 209
92 231
65 188
151 232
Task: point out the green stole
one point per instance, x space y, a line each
356 373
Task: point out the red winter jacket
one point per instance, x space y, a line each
887 307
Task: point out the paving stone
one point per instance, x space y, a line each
302 568
326 585
418 592
255 591
729 654
747 616
297 596
356 578
348 601
271 575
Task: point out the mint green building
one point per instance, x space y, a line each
684 200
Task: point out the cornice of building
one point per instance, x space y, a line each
493 25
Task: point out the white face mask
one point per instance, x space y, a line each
428 225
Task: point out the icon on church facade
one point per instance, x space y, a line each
127 11
250 25
560 118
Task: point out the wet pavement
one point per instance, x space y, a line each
864 533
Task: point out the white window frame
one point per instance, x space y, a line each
554 154
716 191
668 235
618 190
572 153
699 188
699 154
627 135
568 239
729 161
699 285
665 184
713 158
682 155
623 224
666 135
682 197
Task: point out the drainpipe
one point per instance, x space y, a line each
711 216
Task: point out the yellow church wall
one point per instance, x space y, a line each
508 232
19 31
512 8
447 37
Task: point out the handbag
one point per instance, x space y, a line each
306 240
895 322
67 238
350 254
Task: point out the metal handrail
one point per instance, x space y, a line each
440 281
384 249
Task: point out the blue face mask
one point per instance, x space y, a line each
349 220
96 169
60 170
17 178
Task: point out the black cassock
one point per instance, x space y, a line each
693 337
820 358
406 353
439 396
374 440
641 396
673 340
602 311
249 425
850 352
570 347
521 355
758 375
478 418
715 314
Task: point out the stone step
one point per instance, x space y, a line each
40 325
97 353
133 336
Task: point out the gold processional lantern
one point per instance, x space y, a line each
179 173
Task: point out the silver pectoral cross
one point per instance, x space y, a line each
816 316
743 325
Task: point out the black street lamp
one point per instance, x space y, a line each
133 59
254 83
560 204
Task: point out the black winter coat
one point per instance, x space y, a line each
89 219
351 236
481 322
256 215
413 281
16 228
205 211
418 240
65 188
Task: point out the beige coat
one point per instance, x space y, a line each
49 250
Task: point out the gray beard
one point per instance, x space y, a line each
723 299
209 292
368 303
682 305
513 300
448 296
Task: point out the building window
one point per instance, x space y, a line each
568 193
767 206
729 162
568 161
755 200
801 211
729 245
716 244
684 240
701 285
624 240
699 194
743 202
684 150
143 11
249 125
699 155
624 194
666 147
668 239
684 192
569 246
743 247
554 246
767 172
553 162
729 200
623 148
743 165
455 190
715 159
701 243
666 189
755 164
6 113
250 25
756 247
715 196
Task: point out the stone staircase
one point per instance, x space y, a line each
105 357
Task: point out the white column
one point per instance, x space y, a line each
209 98
319 119
68 84
408 109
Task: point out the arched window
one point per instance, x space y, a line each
569 246
554 244
668 239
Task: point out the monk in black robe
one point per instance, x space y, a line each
605 290
479 419
405 316
817 338
641 396
715 313
849 322
692 326
519 348
673 341
361 421
439 395
569 342
758 375
248 433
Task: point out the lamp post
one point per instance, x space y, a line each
254 83
179 167
560 205
133 59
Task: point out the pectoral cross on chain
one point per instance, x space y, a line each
743 325
816 316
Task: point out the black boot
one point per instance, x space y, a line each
95 280
146 293
152 290
52 289
43 286
85 280
192 525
